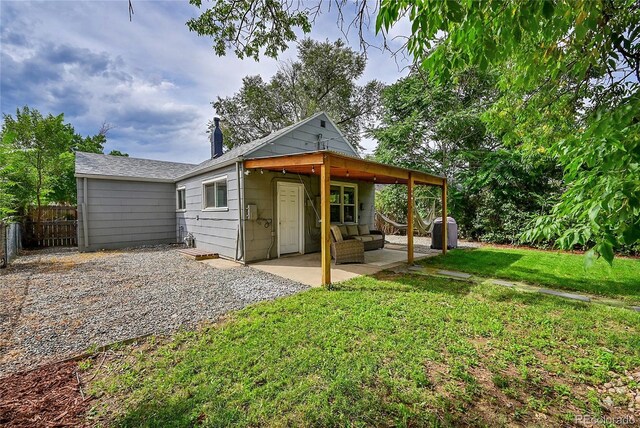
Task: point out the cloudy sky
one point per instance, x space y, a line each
151 79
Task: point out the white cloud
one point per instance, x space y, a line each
151 78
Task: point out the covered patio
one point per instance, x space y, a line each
329 165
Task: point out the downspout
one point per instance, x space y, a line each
240 237
244 214
85 216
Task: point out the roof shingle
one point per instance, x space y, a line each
126 167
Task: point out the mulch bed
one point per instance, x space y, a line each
45 397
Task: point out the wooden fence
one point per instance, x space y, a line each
50 226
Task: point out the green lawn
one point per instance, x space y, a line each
553 269
396 350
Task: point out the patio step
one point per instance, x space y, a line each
198 254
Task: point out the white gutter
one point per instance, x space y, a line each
125 178
244 235
240 214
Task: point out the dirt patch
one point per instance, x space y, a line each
504 398
46 397
386 275
108 364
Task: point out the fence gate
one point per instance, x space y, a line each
51 226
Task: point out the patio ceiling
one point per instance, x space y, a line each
343 166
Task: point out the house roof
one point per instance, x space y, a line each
106 166
95 164
245 149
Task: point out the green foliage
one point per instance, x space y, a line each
499 198
400 350
250 26
37 158
602 205
118 153
322 79
494 191
569 76
435 127
392 201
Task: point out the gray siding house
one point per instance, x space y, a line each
242 214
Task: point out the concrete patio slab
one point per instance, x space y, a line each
306 268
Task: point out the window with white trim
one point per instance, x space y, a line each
343 198
214 193
181 199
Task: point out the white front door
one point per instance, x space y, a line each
290 218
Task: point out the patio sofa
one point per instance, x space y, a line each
372 239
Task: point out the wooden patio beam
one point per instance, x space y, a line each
345 162
432 180
315 158
325 214
369 167
376 168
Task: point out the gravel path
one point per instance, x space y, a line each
55 304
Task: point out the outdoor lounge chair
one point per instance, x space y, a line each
345 251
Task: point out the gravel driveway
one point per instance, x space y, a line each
55 304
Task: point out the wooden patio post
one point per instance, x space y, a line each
410 219
445 223
325 219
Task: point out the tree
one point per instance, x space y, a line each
37 158
322 78
250 26
567 69
494 190
35 144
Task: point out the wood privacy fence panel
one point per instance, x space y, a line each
51 226
52 213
